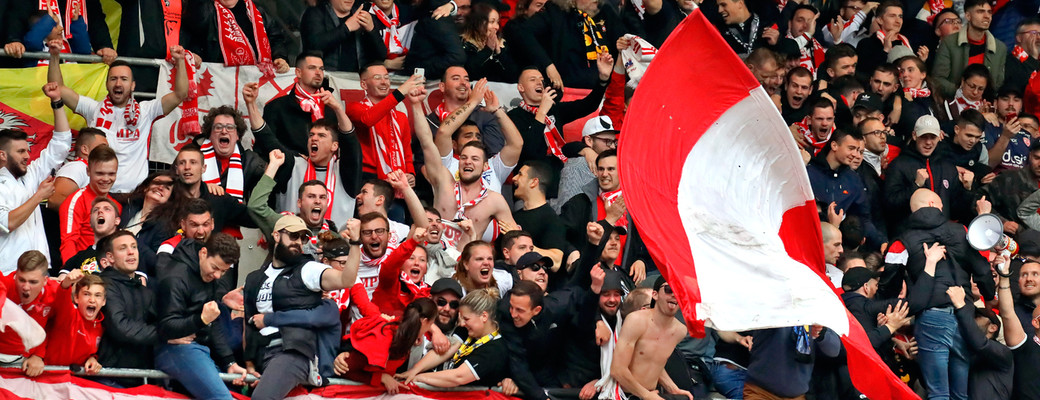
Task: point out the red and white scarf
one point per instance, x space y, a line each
934 7
420 290
65 49
189 122
899 36
442 112
811 54
392 34
309 103
460 213
606 199
234 45
52 7
963 103
329 180
1019 53
804 128
368 261
235 182
131 114
917 93
389 148
553 138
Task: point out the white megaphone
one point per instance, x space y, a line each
986 232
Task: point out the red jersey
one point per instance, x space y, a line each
74 215
394 292
40 310
71 339
375 126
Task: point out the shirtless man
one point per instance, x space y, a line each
468 198
644 345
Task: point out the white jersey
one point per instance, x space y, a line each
311 275
76 171
398 232
494 176
131 147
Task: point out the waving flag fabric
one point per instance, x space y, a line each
719 191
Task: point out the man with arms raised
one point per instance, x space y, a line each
127 124
652 334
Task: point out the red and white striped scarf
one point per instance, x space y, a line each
309 103
389 148
131 114
804 128
442 112
963 103
934 7
414 289
899 36
917 93
392 33
460 213
235 181
1019 53
52 7
329 181
65 49
553 138
189 122
368 261
234 45
810 56
604 200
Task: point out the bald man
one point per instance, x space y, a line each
943 354
832 251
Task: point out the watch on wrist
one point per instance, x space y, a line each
57 104
355 242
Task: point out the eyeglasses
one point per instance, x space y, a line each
879 132
377 232
608 142
223 127
441 302
954 21
533 267
301 236
1034 33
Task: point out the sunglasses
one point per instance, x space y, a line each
302 236
534 267
667 289
441 302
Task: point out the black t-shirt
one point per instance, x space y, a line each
86 259
489 363
1027 370
546 228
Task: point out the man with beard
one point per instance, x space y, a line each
653 335
813 132
460 131
195 222
598 135
383 131
972 45
466 198
230 168
25 185
531 184
131 333
104 220
127 124
801 27
300 288
792 102
311 203
187 302
37 295
74 214
332 156
877 154
307 102
921 166
375 249
455 86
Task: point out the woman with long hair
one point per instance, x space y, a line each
485 49
479 359
401 276
919 98
153 192
476 266
379 347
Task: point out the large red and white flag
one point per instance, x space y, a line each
13 317
715 182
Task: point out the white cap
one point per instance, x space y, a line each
598 124
926 124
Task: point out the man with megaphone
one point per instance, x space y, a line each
943 355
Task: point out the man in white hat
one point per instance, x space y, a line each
578 175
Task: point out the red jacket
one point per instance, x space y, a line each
41 310
72 339
378 116
74 214
370 338
394 293
614 100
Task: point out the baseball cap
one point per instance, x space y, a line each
598 124
1028 242
856 277
612 281
290 223
869 101
926 124
335 249
532 258
659 282
446 284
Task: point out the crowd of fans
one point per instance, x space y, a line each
513 261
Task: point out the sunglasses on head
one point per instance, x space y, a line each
441 302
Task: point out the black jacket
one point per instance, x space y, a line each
1016 73
130 322
342 49
181 295
905 262
435 47
201 35
533 131
992 363
866 310
287 293
942 179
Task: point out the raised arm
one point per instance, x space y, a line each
436 172
262 213
333 279
1014 334
399 182
453 121
510 153
180 83
69 96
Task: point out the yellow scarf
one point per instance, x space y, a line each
593 37
470 345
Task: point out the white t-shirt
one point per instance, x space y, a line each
76 170
131 147
494 176
398 232
311 275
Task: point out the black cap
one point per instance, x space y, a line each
659 282
620 230
446 284
869 101
612 281
532 258
1028 242
335 249
1007 90
856 277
